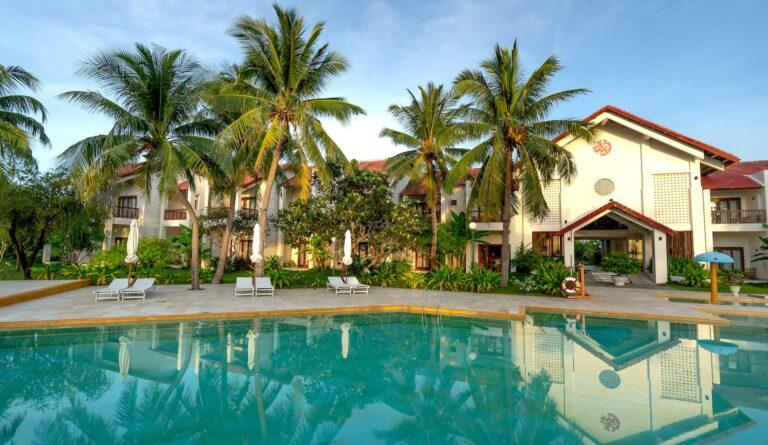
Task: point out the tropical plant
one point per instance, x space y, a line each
157 126
732 277
47 271
524 283
102 274
17 125
183 243
621 263
445 278
526 259
587 251
284 71
414 280
695 276
550 275
389 273
155 253
677 266
454 235
480 279
517 153
113 257
762 254
273 262
280 277
434 124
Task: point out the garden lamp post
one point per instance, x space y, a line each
713 258
472 228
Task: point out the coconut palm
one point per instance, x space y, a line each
17 126
286 69
155 96
517 154
433 125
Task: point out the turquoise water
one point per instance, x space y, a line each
387 378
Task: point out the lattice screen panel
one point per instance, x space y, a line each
548 353
551 191
680 374
672 204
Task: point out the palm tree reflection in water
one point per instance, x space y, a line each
299 391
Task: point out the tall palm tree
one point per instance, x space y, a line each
287 68
17 126
155 107
517 154
434 124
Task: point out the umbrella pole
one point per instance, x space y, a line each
713 298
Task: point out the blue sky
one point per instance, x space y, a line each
699 67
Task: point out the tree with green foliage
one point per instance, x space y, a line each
454 235
18 127
762 255
157 127
517 154
434 124
285 70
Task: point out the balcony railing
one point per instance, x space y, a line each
175 214
738 216
126 212
249 211
484 216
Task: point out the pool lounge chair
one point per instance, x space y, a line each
111 292
139 290
338 285
264 287
357 287
244 287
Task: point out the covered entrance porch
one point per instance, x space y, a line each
617 228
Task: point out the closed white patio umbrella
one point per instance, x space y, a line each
124 357
132 246
255 255
196 356
230 348
347 259
252 336
345 339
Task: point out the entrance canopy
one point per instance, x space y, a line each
620 212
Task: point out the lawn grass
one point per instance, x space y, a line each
746 288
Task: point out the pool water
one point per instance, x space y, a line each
387 378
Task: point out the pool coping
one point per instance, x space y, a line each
42 292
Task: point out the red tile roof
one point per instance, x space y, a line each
128 169
735 176
722 155
184 186
611 205
376 165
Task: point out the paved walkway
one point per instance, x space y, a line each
77 307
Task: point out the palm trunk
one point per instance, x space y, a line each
194 262
258 269
433 244
225 240
505 217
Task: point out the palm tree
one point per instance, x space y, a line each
517 154
286 68
156 125
434 123
17 127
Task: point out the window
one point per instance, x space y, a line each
362 249
119 240
128 202
727 204
246 245
680 244
454 202
301 257
127 207
548 244
737 253
421 260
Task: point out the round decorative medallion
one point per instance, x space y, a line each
602 147
604 187
609 379
610 422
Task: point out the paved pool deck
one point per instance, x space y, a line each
177 302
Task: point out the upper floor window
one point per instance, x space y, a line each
727 204
548 244
127 202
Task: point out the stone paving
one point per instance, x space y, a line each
11 287
177 302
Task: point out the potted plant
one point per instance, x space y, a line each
734 278
622 264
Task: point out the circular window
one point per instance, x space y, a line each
604 187
609 379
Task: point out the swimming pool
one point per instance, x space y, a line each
387 378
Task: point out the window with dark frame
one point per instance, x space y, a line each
680 244
421 260
548 244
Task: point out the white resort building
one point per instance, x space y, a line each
641 188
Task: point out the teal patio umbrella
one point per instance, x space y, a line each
713 258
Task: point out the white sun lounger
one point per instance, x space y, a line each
264 287
338 285
244 287
357 287
111 292
139 290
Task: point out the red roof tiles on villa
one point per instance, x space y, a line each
735 176
611 205
713 151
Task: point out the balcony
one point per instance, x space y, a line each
738 216
484 216
175 214
249 211
126 212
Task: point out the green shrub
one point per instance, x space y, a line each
102 275
445 278
47 271
75 271
550 276
360 266
272 262
732 277
694 273
678 265
390 273
414 280
113 257
280 278
524 283
621 263
525 260
480 279
155 253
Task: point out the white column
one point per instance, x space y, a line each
659 257
698 230
569 249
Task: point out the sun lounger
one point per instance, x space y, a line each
139 290
264 287
111 292
357 287
244 287
338 285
